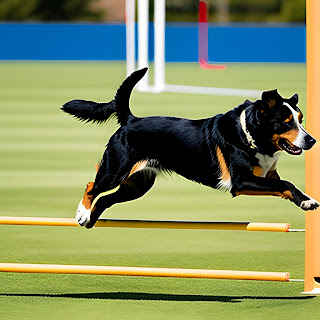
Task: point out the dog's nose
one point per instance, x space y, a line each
309 142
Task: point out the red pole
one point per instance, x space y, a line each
203 39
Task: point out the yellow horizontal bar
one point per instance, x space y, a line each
39 221
144 272
153 224
263 226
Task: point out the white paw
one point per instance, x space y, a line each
83 215
310 204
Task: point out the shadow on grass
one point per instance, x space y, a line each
152 296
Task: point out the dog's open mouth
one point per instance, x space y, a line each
287 146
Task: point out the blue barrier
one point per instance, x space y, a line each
229 43
258 44
62 42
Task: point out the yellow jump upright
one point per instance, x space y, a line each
312 240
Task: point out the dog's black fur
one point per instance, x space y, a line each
219 152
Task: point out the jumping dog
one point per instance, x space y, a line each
237 151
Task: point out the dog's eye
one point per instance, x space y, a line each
300 117
288 119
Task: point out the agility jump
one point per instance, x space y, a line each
144 272
152 224
312 261
148 272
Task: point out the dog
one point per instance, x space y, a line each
237 151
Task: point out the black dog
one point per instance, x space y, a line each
236 151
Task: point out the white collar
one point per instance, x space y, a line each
245 130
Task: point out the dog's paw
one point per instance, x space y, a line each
310 204
83 215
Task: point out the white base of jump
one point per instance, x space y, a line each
200 90
314 292
213 91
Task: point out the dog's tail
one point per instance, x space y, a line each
122 96
90 111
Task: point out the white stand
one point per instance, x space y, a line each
159 53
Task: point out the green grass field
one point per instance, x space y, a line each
46 160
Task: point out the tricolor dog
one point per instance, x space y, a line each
237 151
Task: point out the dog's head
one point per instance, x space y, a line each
281 119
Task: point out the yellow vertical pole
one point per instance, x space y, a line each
312 237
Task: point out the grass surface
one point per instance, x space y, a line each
46 160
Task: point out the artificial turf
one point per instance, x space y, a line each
46 160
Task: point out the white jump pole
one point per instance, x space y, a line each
159 55
130 36
143 35
159 45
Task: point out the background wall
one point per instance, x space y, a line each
227 43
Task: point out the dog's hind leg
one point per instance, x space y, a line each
137 182
112 170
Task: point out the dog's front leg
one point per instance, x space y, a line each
253 185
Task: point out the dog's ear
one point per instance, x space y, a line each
294 100
270 98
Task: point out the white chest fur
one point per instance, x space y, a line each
268 163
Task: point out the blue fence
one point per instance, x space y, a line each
229 43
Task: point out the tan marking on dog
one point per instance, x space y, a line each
275 139
273 174
290 135
286 194
138 167
271 102
257 171
289 118
225 173
87 199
